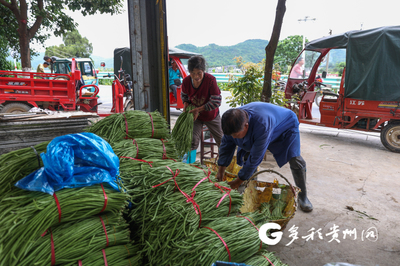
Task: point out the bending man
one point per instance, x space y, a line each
254 128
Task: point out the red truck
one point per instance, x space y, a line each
369 94
20 91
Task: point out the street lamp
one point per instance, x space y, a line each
305 19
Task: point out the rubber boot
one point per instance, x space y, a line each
299 176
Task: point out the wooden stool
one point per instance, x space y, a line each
210 142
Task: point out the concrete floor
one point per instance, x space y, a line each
344 168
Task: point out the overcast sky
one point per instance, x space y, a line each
228 22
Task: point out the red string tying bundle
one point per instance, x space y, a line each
105 198
253 225
140 160
58 207
207 177
188 198
137 148
226 192
152 125
164 155
105 230
268 260
226 246
104 257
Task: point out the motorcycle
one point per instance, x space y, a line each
321 89
123 85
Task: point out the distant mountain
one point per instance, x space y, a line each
250 51
215 55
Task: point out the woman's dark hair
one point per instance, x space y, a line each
233 121
198 62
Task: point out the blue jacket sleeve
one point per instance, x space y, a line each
256 156
226 151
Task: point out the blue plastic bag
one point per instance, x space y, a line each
75 160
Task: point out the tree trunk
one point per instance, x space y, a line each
270 51
24 49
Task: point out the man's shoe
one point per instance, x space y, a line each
299 176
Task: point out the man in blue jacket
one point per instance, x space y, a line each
254 128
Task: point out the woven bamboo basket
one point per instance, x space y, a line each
258 192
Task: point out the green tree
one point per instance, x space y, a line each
5 15
266 93
287 51
248 88
74 46
32 20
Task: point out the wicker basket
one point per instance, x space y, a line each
264 193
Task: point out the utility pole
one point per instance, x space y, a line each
327 57
305 19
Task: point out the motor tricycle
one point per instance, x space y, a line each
369 95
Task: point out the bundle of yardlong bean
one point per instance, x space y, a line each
17 164
265 258
73 240
131 124
29 214
224 239
183 131
168 209
145 148
121 255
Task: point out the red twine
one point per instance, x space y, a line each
137 148
104 256
227 192
200 168
126 128
140 160
53 253
226 246
105 198
188 198
152 125
207 177
164 151
105 230
254 226
268 260
58 207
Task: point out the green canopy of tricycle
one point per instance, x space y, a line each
372 62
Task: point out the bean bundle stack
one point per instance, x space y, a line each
140 148
17 164
183 131
25 215
180 210
95 233
131 124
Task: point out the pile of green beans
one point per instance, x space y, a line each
204 247
145 148
131 124
121 255
261 259
27 215
17 164
163 214
73 240
183 131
